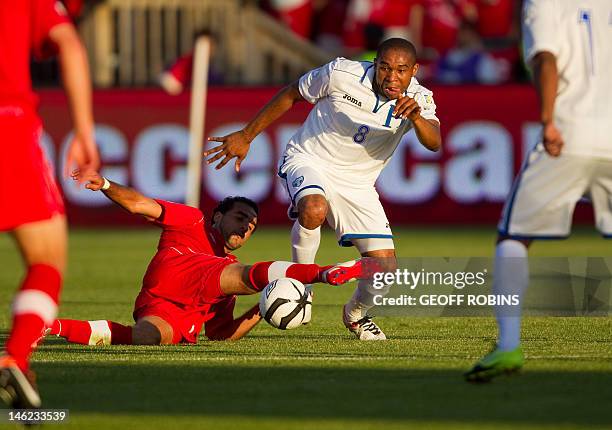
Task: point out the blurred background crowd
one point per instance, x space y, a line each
458 41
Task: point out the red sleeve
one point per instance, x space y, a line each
46 14
464 6
74 8
182 68
176 214
223 319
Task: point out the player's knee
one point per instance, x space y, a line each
145 337
312 211
385 264
385 259
236 279
152 331
389 264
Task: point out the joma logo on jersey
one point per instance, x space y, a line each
352 100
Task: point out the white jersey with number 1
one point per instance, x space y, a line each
542 200
351 128
579 35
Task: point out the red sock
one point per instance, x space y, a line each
93 332
74 331
261 274
121 334
34 306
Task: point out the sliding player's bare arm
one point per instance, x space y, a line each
126 197
238 328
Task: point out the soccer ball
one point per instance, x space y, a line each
285 304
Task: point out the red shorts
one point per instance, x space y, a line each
185 299
28 191
186 321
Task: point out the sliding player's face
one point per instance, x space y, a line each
394 69
237 225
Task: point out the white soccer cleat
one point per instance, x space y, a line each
364 329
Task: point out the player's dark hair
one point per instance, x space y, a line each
228 203
373 34
399 44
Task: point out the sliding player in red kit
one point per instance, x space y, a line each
193 279
31 207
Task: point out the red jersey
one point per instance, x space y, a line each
392 13
186 270
24 29
495 17
442 21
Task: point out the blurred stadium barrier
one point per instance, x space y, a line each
130 41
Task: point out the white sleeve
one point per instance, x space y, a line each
314 85
428 106
540 28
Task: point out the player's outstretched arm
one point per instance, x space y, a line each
237 329
82 152
236 145
126 197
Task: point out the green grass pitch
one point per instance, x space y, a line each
316 376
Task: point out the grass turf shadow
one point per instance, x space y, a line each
577 398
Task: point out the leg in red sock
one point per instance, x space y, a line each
261 274
35 306
100 332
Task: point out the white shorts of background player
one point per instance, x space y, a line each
542 200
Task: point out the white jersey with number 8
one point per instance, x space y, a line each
351 128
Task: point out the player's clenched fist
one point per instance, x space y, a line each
94 181
406 108
552 139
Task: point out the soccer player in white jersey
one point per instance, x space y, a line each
567 43
361 112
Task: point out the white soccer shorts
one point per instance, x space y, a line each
542 200
355 211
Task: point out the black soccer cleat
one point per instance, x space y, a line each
17 390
